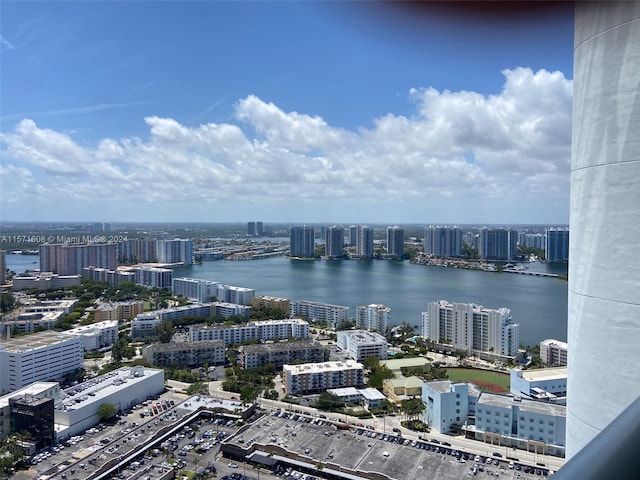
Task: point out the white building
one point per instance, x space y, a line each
45 281
448 405
97 336
226 310
196 290
360 344
174 251
373 317
39 357
332 315
112 277
317 377
258 331
540 383
185 354
368 397
77 407
526 424
237 295
472 328
153 277
145 325
553 352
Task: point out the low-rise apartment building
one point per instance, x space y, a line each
312 378
281 353
185 354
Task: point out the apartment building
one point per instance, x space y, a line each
373 317
360 344
331 315
185 354
312 378
554 353
258 331
281 353
118 311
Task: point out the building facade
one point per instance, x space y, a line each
549 384
302 242
252 331
556 247
334 242
443 241
373 317
39 357
265 301
178 250
153 277
185 354
118 311
364 242
395 242
281 353
97 336
310 378
360 344
498 244
331 315
472 328
196 290
71 258
554 353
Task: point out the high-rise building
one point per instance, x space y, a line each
175 251
195 289
556 248
301 242
70 258
443 241
364 241
395 242
603 310
138 250
471 327
360 344
373 317
498 244
334 242
353 235
251 228
255 229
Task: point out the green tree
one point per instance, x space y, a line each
412 408
198 388
165 331
329 401
106 411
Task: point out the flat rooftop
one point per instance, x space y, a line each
525 405
35 341
541 374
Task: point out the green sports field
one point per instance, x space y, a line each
485 379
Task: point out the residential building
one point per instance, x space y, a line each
204 310
301 242
175 251
360 344
554 353
226 310
324 313
498 244
334 242
71 258
45 281
373 317
443 241
185 354
281 353
312 378
255 229
556 247
548 384
118 311
112 277
265 301
35 315
253 331
364 242
370 398
472 328
97 336
521 423
145 325
153 277
395 242
138 250
39 357
196 290
237 295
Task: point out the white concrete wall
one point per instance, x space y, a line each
604 266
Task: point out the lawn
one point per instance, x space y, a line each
485 379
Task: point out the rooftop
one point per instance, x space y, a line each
525 405
322 367
35 341
540 374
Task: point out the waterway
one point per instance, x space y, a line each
538 304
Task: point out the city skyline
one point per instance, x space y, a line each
208 112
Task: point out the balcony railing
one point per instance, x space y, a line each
612 454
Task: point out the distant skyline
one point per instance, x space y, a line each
284 112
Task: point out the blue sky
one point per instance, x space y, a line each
283 112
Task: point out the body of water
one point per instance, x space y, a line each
538 304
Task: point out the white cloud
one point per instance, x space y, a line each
460 151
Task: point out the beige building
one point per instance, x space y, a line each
265 301
402 388
118 311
